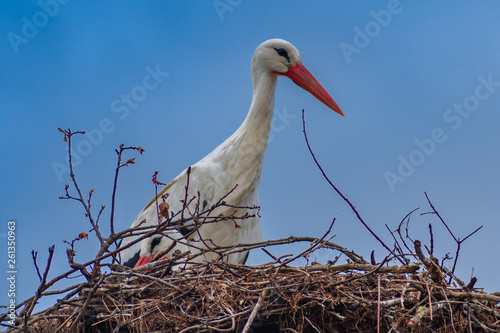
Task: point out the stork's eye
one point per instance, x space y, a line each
155 242
283 53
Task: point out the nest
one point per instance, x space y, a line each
179 295
222 297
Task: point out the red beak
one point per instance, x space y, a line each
143 261
303 78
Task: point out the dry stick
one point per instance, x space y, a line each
398 247
158 215
34 255
340 193
378 303
435 212
292 239
254 311
431 252
145 276
269 254
311 248
99 215
451 311
484 327
41 288
316 328
188 173
412 268
68 134
115 183
457 240
84 306
398 230
429 296
476 296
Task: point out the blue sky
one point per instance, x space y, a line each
419 85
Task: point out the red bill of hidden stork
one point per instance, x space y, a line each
161 246
236 162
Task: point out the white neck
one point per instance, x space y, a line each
255 129
243 152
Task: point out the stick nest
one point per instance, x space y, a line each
221 297
420 295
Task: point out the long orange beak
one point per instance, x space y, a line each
143 260
303 78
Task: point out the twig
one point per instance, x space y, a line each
254 311
145 276
343 196
292 239
34 255
311 248
431 235
68 134
269 254
378 303
434 211
457 240
119 152
41 287
407 218
185 202
82 310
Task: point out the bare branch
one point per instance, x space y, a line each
340 193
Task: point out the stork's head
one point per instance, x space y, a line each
282 58
157 247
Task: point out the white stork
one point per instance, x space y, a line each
237 161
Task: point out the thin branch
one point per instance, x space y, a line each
434 211
119 152
41 288
457 240
67 137
340 193
34 255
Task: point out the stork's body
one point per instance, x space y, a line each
237 162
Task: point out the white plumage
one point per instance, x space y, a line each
237 161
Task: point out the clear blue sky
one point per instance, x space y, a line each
419 85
